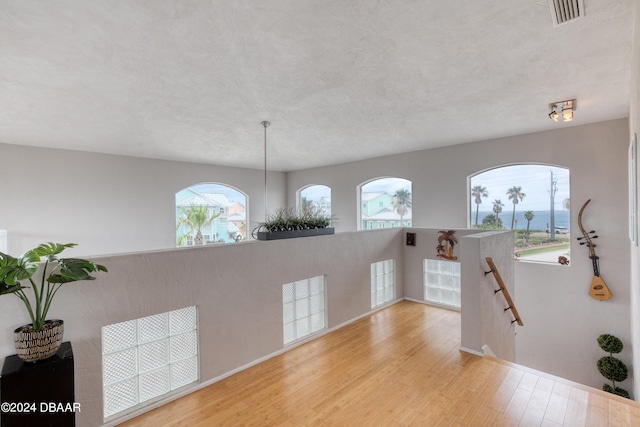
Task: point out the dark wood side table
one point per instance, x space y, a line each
39 394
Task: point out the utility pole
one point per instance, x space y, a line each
552 194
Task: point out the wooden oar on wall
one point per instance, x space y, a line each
598 289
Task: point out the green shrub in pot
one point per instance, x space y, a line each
611 367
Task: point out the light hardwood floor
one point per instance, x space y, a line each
398 367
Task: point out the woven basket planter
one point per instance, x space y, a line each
33 346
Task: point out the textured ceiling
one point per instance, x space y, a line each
339 80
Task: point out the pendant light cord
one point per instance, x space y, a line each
266 209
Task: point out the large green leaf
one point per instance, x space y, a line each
73 270
50 249
6 289
13 270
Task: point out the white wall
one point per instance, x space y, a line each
105 203
426 243
547 295
485 322
562 340
634 128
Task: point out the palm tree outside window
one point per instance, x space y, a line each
478 192
210 213
497 209
385 202
315 200
195 218
514 194
401 203
539 200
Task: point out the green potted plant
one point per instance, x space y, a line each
289 223
611 367
41 338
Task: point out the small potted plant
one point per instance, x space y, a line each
611 367
290 223
41 338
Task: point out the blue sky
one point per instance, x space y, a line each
315 192
231 194
533 179
390 185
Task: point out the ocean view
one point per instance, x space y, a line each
540 220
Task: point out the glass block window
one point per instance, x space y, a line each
383 282
303 307
442 282
146 358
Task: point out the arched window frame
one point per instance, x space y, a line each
562 223
224 219
359 211
299 196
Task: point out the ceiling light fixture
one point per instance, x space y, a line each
566 107
567 111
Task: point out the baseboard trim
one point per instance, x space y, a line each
433 304
474 352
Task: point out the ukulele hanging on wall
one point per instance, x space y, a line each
598 289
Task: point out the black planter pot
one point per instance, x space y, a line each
276 235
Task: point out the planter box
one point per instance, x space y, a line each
275 235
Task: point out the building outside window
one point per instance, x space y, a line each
386 203
315 199
210 213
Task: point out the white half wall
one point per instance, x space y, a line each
483 319
485 322
238 291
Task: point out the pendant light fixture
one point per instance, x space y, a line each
265 124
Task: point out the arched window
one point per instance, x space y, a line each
532 200
315 199
210 213
385 203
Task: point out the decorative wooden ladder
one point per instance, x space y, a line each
504 290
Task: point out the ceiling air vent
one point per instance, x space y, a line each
563 11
